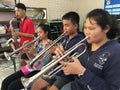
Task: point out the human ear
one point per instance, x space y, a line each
107 28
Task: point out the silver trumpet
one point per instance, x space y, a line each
27 81
8 55
57 69
46 49
30 66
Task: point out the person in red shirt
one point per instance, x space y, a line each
26 26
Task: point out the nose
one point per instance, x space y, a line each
86 31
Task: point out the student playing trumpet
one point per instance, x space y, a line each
13 81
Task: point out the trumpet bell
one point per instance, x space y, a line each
25 81
7 56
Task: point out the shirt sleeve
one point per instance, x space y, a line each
29 27
110 80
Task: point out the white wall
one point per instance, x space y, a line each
86 6
55 8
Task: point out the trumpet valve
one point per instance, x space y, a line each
46 76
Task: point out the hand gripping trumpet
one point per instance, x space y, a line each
29 68
8 55
27 81
46 49
57 69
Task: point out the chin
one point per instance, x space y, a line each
18 17
66 34
89 41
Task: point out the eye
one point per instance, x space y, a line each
91 28
85 27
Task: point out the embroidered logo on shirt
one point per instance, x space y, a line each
101 60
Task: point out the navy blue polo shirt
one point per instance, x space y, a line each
67 44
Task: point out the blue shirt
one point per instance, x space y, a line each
67 44
102 68
47 56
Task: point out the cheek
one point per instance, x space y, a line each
95 33
94 37
39 34
67 30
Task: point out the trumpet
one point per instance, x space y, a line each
8 55
57 69
27 81
46 49
29 68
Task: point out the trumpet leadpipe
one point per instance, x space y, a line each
45 50
36 76
53 72
60 67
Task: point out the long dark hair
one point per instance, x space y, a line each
104 19
45 28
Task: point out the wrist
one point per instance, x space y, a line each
35 54
20 34
82 73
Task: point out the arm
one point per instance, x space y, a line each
26 34
16 34
90 79
27 30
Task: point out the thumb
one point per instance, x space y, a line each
74 59
63 63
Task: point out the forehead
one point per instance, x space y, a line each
67 21
90 21
18 9
39 29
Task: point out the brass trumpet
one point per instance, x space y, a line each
27 81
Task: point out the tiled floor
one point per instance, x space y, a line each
6 68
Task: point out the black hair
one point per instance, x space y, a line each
104 19
73 16
45 28
21 6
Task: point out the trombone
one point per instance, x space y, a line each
27 81
8 55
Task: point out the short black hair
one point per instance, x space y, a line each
73 16
21 6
